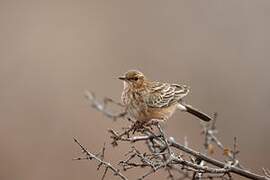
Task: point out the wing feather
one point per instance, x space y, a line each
165 94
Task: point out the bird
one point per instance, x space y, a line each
147 100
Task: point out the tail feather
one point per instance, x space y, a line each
197 112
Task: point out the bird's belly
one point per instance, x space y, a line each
163 113
145 114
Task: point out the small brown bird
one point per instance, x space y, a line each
147 100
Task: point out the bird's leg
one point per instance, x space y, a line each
138 125
152 122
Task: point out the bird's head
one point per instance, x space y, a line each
133 79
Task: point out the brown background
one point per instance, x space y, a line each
50 51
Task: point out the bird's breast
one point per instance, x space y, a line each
136 107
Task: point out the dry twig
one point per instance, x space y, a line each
108 166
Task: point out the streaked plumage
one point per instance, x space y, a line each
146 100
164 94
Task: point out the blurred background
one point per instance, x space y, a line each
51 51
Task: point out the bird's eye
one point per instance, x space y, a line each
135 78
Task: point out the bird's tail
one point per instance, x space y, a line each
195 112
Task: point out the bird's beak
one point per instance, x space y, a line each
122 78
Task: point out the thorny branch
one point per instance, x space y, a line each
178 160
90 156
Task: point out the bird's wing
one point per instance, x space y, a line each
165 94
